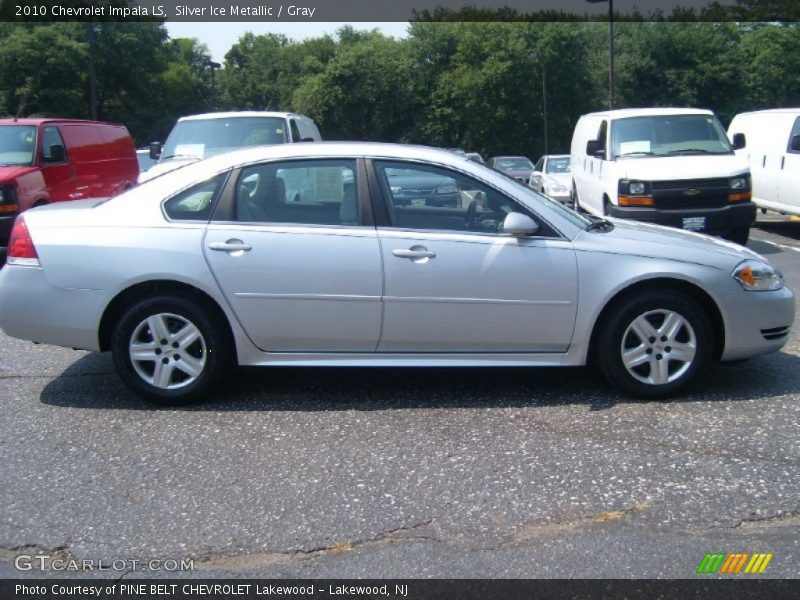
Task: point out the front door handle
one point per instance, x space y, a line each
230 246
414 253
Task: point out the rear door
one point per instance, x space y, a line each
294 250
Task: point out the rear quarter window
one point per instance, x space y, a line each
195 203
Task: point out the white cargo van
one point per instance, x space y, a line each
770 141
199 136
670 166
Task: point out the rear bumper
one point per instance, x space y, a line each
33 309
735 216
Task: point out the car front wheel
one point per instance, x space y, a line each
653 346
170 350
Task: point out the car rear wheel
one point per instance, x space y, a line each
654 345
170 350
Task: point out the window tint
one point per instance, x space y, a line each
539 165
196 203
315 192
601 136
558 164
795 131
51 137
423 197
296 137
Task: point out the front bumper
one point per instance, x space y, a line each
718 220
757 322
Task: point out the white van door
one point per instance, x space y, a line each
789 174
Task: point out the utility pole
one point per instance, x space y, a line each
537 55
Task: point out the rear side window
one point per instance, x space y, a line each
311 192
196 203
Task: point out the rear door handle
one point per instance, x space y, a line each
230 246
413 254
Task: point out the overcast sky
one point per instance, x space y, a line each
219 37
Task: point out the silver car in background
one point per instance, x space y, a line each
305 254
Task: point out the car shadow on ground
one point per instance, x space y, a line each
789 229
91 383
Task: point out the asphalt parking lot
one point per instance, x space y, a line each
404 473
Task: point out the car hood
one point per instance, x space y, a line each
695 166
9 173
518 172
166 166
654 241
557 178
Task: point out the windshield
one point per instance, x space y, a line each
668 135
514 164
17 144
205 138
558 165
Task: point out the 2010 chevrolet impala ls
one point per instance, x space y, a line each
377 254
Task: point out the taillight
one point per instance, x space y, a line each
21 250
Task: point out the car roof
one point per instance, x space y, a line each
510 156
238 114
649 112
334 150
556 155
41 120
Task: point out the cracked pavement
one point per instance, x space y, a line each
403 473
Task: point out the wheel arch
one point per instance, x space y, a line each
692 290
147 289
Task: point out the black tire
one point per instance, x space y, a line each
210 355
576 205
740 235
666 376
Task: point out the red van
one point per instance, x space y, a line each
54 160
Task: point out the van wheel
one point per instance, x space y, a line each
740 235
655 344
170 350
576 205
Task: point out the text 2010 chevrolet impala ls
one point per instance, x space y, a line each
302 255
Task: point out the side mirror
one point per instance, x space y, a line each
593 149
739 141
796 143
155 150
57 153
517 224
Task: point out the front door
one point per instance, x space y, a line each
454 282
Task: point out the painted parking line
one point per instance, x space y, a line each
776 244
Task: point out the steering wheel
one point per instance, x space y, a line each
472 213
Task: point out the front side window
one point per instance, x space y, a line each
668 135
17 144
51 137
196 203
433 198
313 192
795 131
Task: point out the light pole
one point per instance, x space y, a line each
612 95
537 55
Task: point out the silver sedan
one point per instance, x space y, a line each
359 254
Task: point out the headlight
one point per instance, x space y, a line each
396 189
446 189
739 183
556 188
757 276
637 188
